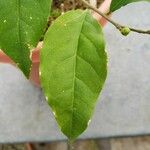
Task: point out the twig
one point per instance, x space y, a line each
93 3
117 25
70 145
62 8
73 4
30 146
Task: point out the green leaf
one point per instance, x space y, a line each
73 69
116 4
22 23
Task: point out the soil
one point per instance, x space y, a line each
71 4
136 143
61 6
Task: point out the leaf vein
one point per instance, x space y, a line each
89 64
84 84
96 48
75 66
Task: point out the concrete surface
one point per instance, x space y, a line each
124 108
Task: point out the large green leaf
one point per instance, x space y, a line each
73 69
116 4
22 22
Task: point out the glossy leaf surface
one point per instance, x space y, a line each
116 4
73 69
22 23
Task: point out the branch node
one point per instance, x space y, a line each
123 29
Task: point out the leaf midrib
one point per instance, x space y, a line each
19 30
22 48
74 77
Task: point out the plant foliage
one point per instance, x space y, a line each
73 61
73 69
116 4
22 23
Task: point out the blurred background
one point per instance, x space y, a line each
122 116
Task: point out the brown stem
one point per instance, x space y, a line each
117 25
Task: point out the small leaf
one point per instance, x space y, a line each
73 69
116 4
22 23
